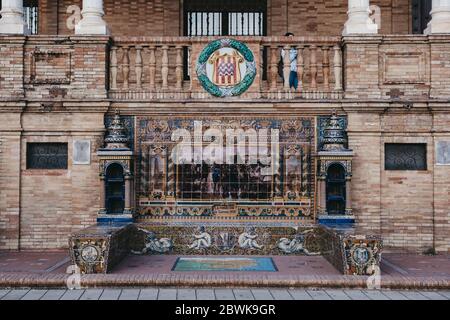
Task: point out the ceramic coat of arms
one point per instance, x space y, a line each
226 67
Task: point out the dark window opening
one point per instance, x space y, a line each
31 14
335 190
420 15
224 18
46 155
115 189
405 156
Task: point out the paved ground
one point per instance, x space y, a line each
219 294
399 271
56 262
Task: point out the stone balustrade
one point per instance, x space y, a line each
164 68
402 68
319 67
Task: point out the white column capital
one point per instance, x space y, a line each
440 18
358 21
12 21
92 22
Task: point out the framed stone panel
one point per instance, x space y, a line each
81 152
50 67
443 153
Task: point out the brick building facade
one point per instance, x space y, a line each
389 85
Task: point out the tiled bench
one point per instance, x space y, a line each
98 248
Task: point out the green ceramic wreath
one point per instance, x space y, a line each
240 87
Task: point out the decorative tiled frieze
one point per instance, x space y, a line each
228 239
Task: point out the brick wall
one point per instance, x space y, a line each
40 78
396 67
55 203
157 17
10 131
11 66
441 184
137 18
65 68
407 196
364 140
408 208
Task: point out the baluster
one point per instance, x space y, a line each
179 68
165 67
138 65
300 66
326 68
152 68
113 68
337 61
313 67
286 65
126 67
273 68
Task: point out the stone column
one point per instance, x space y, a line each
322 196
102 196
440 18
348 197
358 21
127 194
92 22
12 21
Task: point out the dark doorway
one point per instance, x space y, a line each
115 189
420 15
336 190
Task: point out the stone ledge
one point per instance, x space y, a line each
33 280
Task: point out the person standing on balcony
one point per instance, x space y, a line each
293 79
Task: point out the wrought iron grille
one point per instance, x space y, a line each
225 18
405 156
46 155
420 15
31 14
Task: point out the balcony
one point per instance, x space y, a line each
164 68
369 68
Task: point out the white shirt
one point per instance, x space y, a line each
293 57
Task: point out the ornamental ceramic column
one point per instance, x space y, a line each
358 21
12 21
92 22
440 18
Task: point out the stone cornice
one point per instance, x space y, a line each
84 106
12 39
396 39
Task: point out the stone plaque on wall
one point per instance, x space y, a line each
81 152
443 152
